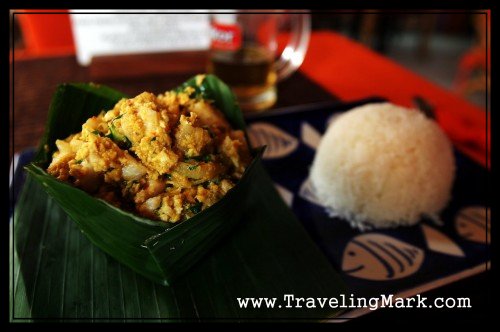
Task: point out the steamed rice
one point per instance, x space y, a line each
383 165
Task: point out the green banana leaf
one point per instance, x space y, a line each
58 274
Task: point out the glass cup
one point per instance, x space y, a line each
243 53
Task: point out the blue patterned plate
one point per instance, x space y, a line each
406 260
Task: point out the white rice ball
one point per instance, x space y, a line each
382 165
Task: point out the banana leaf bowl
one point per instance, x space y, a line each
159 251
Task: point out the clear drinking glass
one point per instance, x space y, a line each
243 52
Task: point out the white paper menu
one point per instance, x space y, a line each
111 32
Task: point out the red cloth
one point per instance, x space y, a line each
352 71
45 34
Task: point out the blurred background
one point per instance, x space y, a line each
446 48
